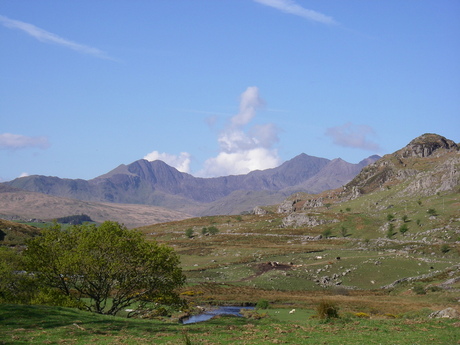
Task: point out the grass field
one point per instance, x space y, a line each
54 325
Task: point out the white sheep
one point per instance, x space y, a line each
292 311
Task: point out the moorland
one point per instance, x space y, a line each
381 254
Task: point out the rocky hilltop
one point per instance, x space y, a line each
156 183
428 165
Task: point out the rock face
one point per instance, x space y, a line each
301 219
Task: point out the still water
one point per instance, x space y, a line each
209 314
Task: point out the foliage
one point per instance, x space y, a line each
343 231
105 268
262 304
390 231
432 212
75 220
327 232
419 289
327 310
403 228
445 248
189 232
390 217
405 218
16 286
212 230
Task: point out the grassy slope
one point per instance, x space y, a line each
237 256
27 325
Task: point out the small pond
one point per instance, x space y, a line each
209 314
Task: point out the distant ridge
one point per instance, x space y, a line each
156 183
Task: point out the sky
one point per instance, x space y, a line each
221 87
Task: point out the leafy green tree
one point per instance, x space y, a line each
105 268
189 232
213 230
343 231
16 286
390 217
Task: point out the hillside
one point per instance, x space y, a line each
388 238
12 233
156 183
16 203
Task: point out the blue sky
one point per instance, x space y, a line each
218 87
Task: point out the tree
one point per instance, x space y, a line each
16 286
105 268
189 232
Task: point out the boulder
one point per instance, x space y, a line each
448 313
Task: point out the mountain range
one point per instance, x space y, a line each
158 184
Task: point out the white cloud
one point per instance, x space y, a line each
24 174
48 37
351 135
289 6
181 162
242 151
17 141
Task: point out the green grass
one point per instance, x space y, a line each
53 325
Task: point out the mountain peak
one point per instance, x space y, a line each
426 144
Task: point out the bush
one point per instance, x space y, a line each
362 315
390 231
327 310
432 212
419 289
327 233
445 248
189 232
262 304
403 229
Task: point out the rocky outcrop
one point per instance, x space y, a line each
259 211
302 219
448 313
426 145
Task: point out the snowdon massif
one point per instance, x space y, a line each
156 183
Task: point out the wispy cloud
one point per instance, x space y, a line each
351 135
48 37
244 149
180 162
17 141
289 6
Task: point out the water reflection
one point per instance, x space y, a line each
209 314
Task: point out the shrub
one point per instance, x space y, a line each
362 315
390 231
432 212
189 232
327 310
390 217
445 248
419 289
403 229
327 233
262 304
